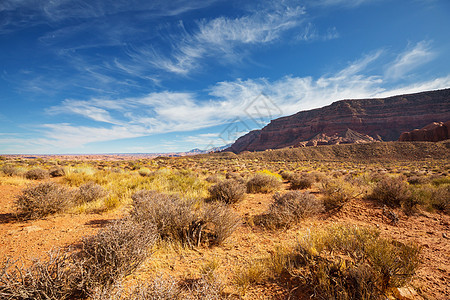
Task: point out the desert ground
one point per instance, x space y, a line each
269 225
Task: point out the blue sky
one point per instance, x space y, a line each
128 76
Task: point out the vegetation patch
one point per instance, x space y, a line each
42 200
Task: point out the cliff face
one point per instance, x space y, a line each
372 119
434 132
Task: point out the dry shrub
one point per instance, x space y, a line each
9 170
345 262
440 199
184 220
115 252
89 192
36 174
391 191
286 175
337 192
289 209
55 278
228 191
57 172
301 181
263 183
42 200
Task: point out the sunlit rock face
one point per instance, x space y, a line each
350 121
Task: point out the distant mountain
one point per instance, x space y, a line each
214 149
350 121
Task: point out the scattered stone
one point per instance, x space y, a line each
32 228
444 235
406 293
429 232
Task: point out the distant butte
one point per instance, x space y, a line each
350 121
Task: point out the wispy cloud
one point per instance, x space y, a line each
418 55
220 37
311 33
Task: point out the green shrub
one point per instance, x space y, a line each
263 183
36 174
228 191
391 191
289 209
42 200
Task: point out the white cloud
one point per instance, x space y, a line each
219 37
407 61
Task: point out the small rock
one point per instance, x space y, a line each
444 235
429 232
32 228
405 293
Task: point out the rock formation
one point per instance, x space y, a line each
350 121
434 132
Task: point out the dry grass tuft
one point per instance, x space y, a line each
89 192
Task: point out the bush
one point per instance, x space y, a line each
9 170
57 172
89 192
56 278
289 209
345 262
337 192
263 183
104 259
228 191
115 252
300 182
440 199
184 220
42 200
36 174
391 191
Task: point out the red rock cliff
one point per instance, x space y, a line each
384 118
434 132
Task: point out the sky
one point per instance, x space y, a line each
132 76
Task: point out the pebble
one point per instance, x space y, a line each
444 235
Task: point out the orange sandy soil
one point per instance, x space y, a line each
31 239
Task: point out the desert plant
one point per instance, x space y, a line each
346 262
115 251
9 170
36 174
184 220
57 172
337 192
391 191
300 182
289 208
43 199
263 183
55 278
89 192
144 172
228 191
